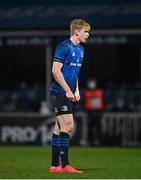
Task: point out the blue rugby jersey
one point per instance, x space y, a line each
72 57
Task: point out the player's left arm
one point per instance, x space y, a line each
77 93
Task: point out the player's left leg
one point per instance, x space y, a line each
66 127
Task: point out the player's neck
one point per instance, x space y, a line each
75 40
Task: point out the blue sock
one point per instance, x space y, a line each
55 150
64 146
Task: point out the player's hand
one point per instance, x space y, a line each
70 96
77 95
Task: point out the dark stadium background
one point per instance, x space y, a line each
29 33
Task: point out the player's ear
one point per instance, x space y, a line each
76 32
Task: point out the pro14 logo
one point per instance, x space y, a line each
28 134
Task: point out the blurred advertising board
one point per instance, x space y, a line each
36 129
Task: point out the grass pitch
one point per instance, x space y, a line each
33 163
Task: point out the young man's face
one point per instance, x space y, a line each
83 34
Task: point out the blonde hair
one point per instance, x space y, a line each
78 24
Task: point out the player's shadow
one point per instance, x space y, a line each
90 169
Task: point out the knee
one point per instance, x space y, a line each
70 129
67 127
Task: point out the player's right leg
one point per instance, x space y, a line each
55 165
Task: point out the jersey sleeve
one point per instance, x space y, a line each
60 53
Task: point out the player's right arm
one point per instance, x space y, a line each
59 78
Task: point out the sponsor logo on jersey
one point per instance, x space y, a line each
75 64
